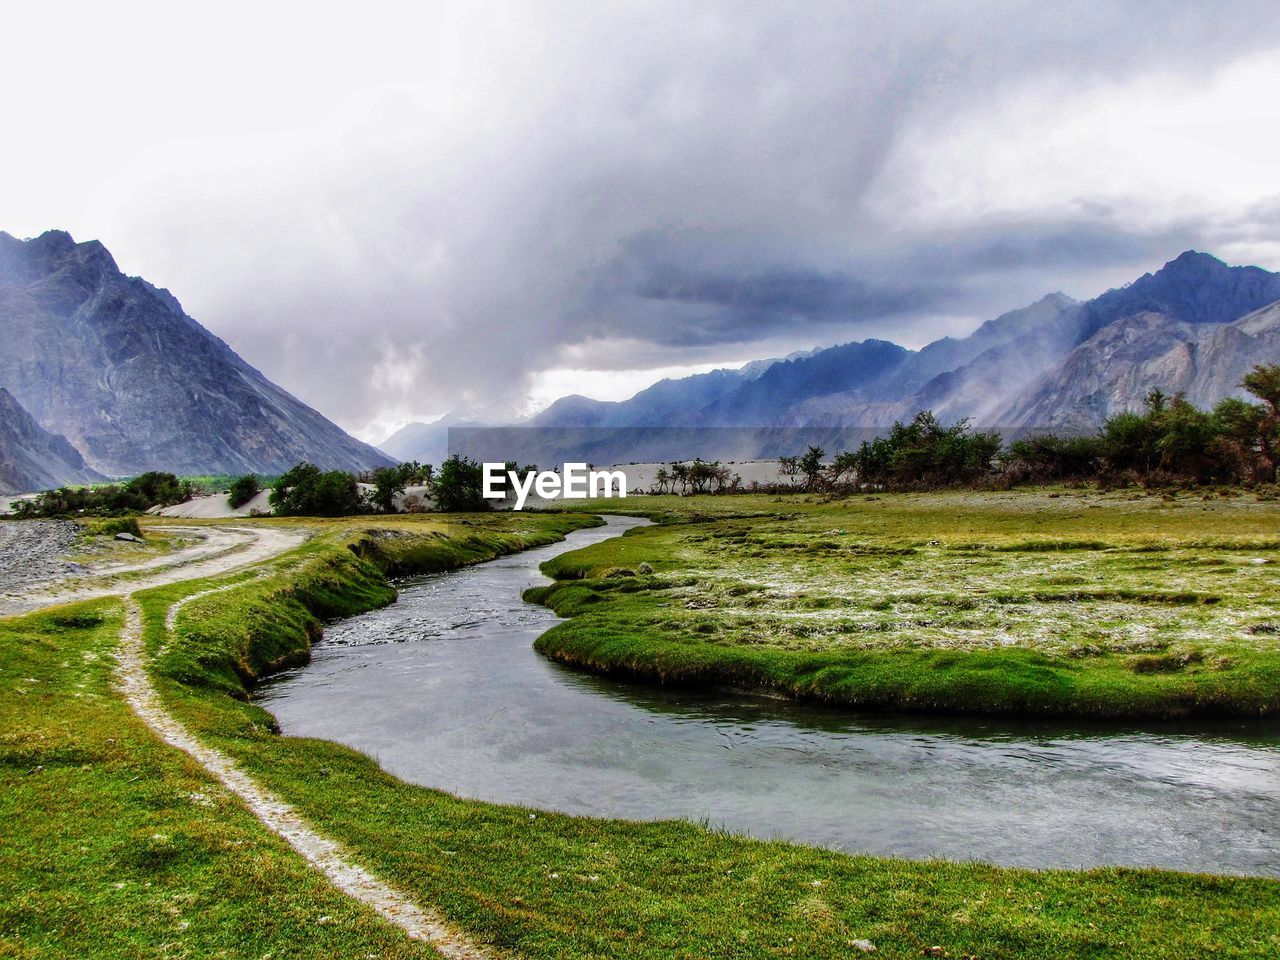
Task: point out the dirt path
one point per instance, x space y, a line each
321 852
254 545
221 549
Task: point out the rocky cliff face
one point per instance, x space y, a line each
31 458
1117 367
114 364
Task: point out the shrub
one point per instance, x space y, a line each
459 486
306 491
138 495
243 490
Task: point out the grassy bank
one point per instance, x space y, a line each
120 847
1057 602
115 845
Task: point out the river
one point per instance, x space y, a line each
444 689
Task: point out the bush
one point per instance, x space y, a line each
924 453
243 490
138 495
459 487
306 491
110 527
1047 457
390 481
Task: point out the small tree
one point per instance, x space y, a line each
810 466
306 491
243 490
845 465
661 479
789 467
1264 383
459 486
680 475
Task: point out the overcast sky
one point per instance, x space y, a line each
396 210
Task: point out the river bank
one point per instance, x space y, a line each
445 689
1067 603
162 855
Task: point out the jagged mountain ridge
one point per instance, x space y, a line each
1134 355
31 458
114 364
1056 363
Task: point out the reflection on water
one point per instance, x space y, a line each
444 689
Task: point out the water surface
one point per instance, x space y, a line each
444 689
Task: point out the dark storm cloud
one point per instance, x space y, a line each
658 290
680 177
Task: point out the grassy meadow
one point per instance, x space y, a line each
1063 602
115 845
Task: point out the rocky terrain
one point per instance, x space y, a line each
34 551
115 366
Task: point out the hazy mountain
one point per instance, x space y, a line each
851 367
1196 325
427 442
652 405
1116 367
748 396
31 458
113 364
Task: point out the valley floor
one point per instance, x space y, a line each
116 844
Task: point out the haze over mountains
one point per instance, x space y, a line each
104 375
113 365
1195 326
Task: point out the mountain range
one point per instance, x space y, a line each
111 367
104 375
1194 326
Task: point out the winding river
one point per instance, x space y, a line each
444 689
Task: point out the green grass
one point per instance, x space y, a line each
1051 602
119 846
115 845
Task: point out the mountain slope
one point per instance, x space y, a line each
1195 325
863 366
428 442
31 458
1115 368
114 364
656 404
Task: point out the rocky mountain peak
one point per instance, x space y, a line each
113 364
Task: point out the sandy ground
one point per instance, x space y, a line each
215 507
213 550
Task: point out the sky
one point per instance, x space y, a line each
400 210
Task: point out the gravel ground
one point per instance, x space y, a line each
32 551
